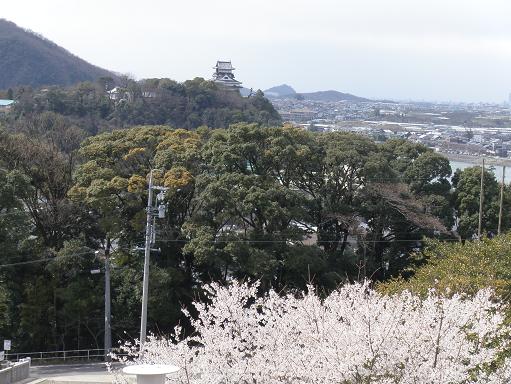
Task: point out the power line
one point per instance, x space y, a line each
291 240
91 252
225 242
26 262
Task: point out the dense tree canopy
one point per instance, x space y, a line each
282 205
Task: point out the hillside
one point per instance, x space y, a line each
29 59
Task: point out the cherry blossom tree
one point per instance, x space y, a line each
355 335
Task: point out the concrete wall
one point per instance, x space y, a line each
20 371
6 376
16 372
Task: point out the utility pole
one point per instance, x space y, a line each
501 199
150 238
147 253
481 201
108 315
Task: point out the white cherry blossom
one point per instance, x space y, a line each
355 335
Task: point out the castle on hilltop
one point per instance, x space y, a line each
224 75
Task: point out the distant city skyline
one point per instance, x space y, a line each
458 50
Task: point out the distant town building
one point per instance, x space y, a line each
118 94
298 115
224 75
115 93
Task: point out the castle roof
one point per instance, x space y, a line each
223 66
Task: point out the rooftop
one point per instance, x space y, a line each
223 66
5 102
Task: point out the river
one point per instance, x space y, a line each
497 169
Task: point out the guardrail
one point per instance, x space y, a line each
86 354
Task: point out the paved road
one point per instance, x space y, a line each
87 373
88 369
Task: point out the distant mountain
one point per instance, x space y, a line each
283 90
29 59
331 96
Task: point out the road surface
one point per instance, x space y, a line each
73 373
88 369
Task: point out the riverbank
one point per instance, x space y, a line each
477 160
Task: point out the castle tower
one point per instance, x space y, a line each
224 75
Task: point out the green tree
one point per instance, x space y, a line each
73 313
49 172
111 185
466 197
455 267
428 178
19 249
245 216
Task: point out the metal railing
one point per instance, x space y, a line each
73 354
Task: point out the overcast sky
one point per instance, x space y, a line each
449 50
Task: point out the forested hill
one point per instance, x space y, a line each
29 59
95 107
